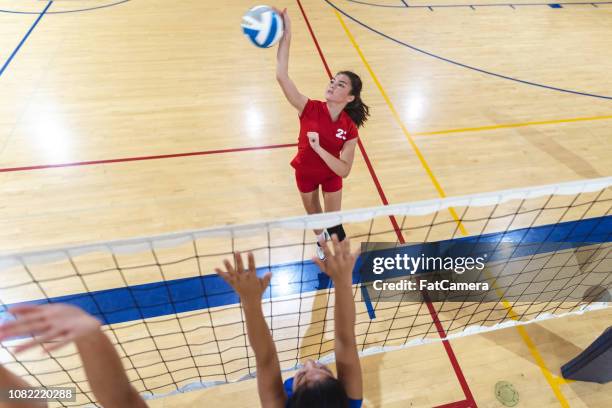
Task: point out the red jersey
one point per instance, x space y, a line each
332 136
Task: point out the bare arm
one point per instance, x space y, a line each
106 374
9 381
341 166
269 380
339 267
347 359
295 98
250 288
56 325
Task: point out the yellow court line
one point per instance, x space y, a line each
512 125
399 121
552 380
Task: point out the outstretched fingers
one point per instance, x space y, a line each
265 280
229 268
23 309
319 263
41 339
239 263
326 249
224 275
22 326
338 247
251 260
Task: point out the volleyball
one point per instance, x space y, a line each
263 26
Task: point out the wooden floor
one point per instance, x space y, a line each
132 118
398 378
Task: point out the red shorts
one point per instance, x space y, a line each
307 183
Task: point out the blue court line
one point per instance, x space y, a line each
66 11
16 50
512 5
299 278
188 294
368 302
461 64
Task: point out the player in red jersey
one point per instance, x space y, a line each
328 136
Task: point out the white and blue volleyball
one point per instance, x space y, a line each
263 26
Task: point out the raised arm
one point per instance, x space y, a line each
339 267
106 374
250 288
61 324
9 381
291 92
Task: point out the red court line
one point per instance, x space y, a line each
381 192
140 158
469 401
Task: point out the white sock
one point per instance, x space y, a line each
322 236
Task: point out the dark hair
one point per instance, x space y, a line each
327 393
357 110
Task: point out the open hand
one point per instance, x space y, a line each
245 282
57 323
286 22
339 264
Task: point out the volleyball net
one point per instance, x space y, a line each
177 326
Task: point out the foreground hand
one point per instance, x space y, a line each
246 283
339 264
57 323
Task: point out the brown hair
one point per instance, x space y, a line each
327 393
357 110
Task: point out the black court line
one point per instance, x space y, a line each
66 11
473 6
439 57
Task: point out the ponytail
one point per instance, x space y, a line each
356 109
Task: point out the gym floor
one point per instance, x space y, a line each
133 118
